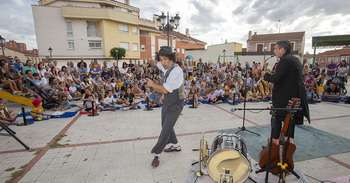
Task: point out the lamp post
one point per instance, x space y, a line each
2 42
116 56
265 50
164 23
50 51
224 51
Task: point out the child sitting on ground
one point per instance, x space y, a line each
38 110
202 93
87 98
108 102
193 96
254 94
212 97
312 96
5 117
129 100
64 103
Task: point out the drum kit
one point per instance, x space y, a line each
227 160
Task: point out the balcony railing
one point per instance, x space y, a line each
262 53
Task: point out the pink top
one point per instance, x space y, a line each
211 96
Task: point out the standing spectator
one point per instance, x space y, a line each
82 71
124 68
342 70
71 67
200 64
331 68
315 69
104 65
81 63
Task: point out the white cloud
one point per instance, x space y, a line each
212 21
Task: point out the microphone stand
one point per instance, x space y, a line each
242 129
194 100
147 105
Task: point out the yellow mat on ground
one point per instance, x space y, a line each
17 99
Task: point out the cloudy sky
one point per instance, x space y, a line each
212 21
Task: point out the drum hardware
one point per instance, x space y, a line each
226 177
228 159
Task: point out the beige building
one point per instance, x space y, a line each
90 29
87 28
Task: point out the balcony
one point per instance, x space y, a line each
98 14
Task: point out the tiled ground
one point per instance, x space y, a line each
115 146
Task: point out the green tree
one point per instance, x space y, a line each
121 53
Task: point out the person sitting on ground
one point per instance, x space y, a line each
38 110
87 99
108 85
7 83
333 93
108 102
219 93
203 94
310 82
5 116
155 98
64 105
242 94
129 100
137 91
254 94
212 97
311 95
193 95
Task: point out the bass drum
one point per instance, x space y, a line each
229 152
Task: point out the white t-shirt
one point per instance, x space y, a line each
72 89
342 69
174 80
108 100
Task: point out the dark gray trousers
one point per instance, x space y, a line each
170 114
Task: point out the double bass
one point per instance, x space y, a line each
279 146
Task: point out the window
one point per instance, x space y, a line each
134 30
143 47
143 33
347 59
123 28
93 29
178 50
183 51
292 47
124 45
70 44
135 47
95 44
69 28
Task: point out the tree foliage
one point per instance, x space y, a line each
121 53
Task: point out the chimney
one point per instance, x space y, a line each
254 33
188 32
127 2
250 35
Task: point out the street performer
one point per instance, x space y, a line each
287 84
173 90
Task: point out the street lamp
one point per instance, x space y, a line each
224 51
2 42
50 51
265 50
116 56
164 23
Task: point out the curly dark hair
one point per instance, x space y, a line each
170 57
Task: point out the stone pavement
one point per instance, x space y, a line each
115 146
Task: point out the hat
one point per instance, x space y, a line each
165 50
36 102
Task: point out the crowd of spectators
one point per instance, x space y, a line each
111 85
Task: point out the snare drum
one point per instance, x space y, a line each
229 152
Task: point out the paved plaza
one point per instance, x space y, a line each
115 146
